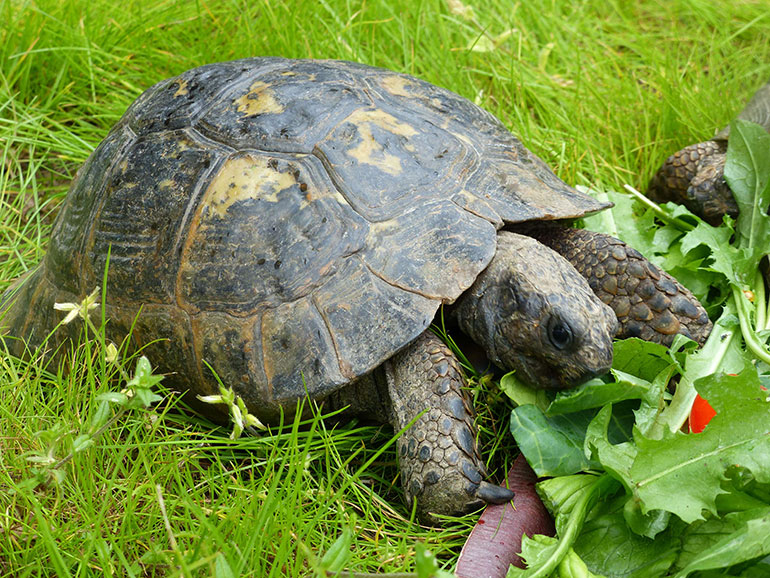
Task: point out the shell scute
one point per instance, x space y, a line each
443 107
298 352
368 318
383 160
66 252
269 229
279 109
175 102
140 219
433 251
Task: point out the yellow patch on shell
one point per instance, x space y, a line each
175 151
167 184
244 178
369 151
182 88
259 100
397 85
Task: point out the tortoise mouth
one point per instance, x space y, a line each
559 378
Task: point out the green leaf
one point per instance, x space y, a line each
569 498
143 377
744 491
632 223
338 553
536 552
82 442
426 564
222 568
747 171
737 264
720 543
616 459
143 397
723 255
560 495
572 566
143 368
41 459
650 524
649 416
141 385
720 352
101 415
691 467
665 238
640 358
523 394
598 394
553 446
113 397
609 546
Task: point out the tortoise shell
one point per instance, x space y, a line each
291 223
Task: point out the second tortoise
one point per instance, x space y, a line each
694 176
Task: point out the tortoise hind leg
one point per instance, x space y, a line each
440 464
649 303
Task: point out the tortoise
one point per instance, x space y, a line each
293 226
694 176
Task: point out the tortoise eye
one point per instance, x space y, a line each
560 334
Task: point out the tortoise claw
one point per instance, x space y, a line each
493 494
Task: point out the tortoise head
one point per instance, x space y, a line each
534 313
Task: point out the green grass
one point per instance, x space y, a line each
601 90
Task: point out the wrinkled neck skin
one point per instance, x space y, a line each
533 313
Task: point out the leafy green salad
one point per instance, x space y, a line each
633 493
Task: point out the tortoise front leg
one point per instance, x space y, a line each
440 464
694 177
649 303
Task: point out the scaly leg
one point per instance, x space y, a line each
440 464
649 303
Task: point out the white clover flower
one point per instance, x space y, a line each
239 414
79 309
111 354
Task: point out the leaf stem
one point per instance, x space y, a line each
767 317
759 301
757 347
574 524
705 362
663 215
96 435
